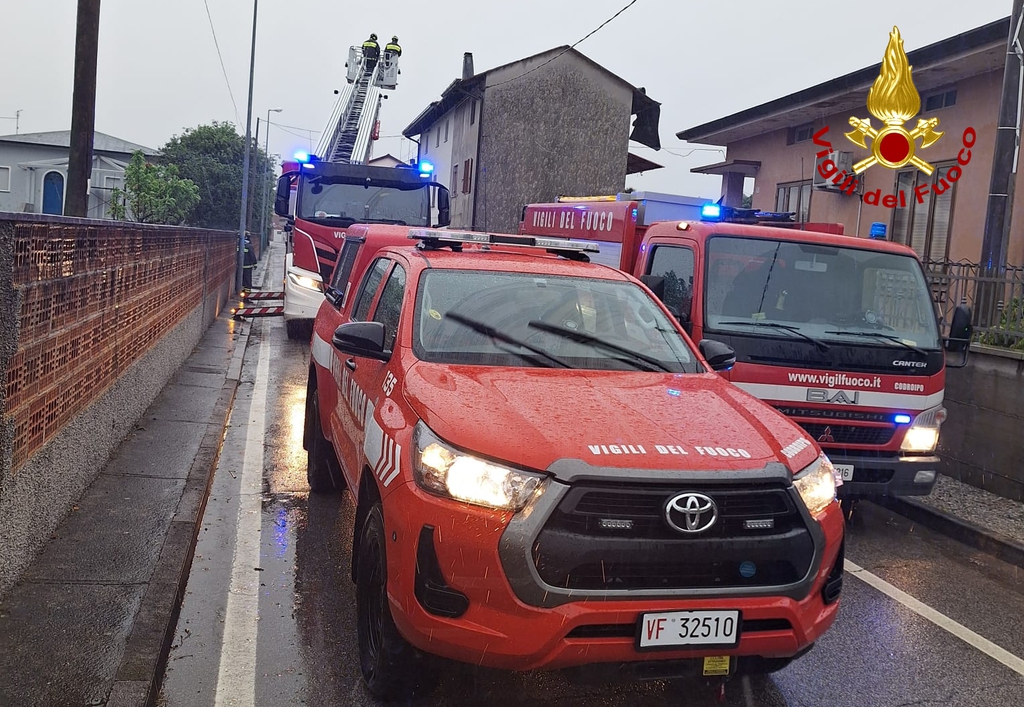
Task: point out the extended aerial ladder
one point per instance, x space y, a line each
348 139
354 123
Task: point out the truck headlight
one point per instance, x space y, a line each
307 283
445 471
817 485
923 434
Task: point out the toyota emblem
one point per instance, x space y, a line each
691 512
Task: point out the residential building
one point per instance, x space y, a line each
959 80
552 124
387 160
34 170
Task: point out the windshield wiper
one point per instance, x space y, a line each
392 221
487 330
880 335
821 345
580 337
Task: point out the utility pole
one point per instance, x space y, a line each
245 166
999 212
16 118
83 109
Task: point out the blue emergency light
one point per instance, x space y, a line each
711 212
901 419
426 169
302 157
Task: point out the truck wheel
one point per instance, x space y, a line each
320 473
387 662
298 329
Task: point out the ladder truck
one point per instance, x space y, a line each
325 193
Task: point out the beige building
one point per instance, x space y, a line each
959 81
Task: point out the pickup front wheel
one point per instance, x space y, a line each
385 659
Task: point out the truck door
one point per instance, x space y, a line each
675 261
372 380
347 420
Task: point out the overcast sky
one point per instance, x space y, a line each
159 72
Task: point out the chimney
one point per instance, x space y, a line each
467 66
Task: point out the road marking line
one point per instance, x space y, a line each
939 619
236 679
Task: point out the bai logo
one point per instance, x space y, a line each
893 100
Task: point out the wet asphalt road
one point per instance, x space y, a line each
302 648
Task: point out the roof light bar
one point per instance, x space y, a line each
731 214
446 237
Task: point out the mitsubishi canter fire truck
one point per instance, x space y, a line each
322 194
549 475
837 332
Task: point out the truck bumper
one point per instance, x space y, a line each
896 475
300 302
452 599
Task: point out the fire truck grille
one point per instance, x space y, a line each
848 434
604 537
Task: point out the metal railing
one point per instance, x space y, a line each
996 299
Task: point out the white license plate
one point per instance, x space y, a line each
845 471
689 628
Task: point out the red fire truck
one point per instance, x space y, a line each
839 333
328 198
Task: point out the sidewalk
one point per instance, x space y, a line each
89 623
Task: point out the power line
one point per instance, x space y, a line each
592 33
222 67
294 127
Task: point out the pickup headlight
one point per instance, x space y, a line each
817 485
306 283
923 434
442 470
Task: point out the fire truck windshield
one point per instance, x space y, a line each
323 199
583 323
829 293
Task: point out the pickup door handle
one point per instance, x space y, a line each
350 364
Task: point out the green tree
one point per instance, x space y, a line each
212 156
154 193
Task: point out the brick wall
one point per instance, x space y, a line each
92 298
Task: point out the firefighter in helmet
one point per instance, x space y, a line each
371 52
392 50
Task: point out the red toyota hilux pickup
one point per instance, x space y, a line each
548 474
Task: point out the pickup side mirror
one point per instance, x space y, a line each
721 357
444 207
284 193
365 339
960 332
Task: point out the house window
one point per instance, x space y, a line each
467 176
455 180
437 138
472 112
5 178
801 133
944 99
446 130
795 197
111 183
924 226
426 143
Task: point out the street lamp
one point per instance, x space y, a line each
263 200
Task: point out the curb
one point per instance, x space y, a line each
988 541
140 675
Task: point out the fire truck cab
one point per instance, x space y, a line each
838 333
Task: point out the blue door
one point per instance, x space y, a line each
53 193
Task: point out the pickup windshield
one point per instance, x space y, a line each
828 293
573 322
323 198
